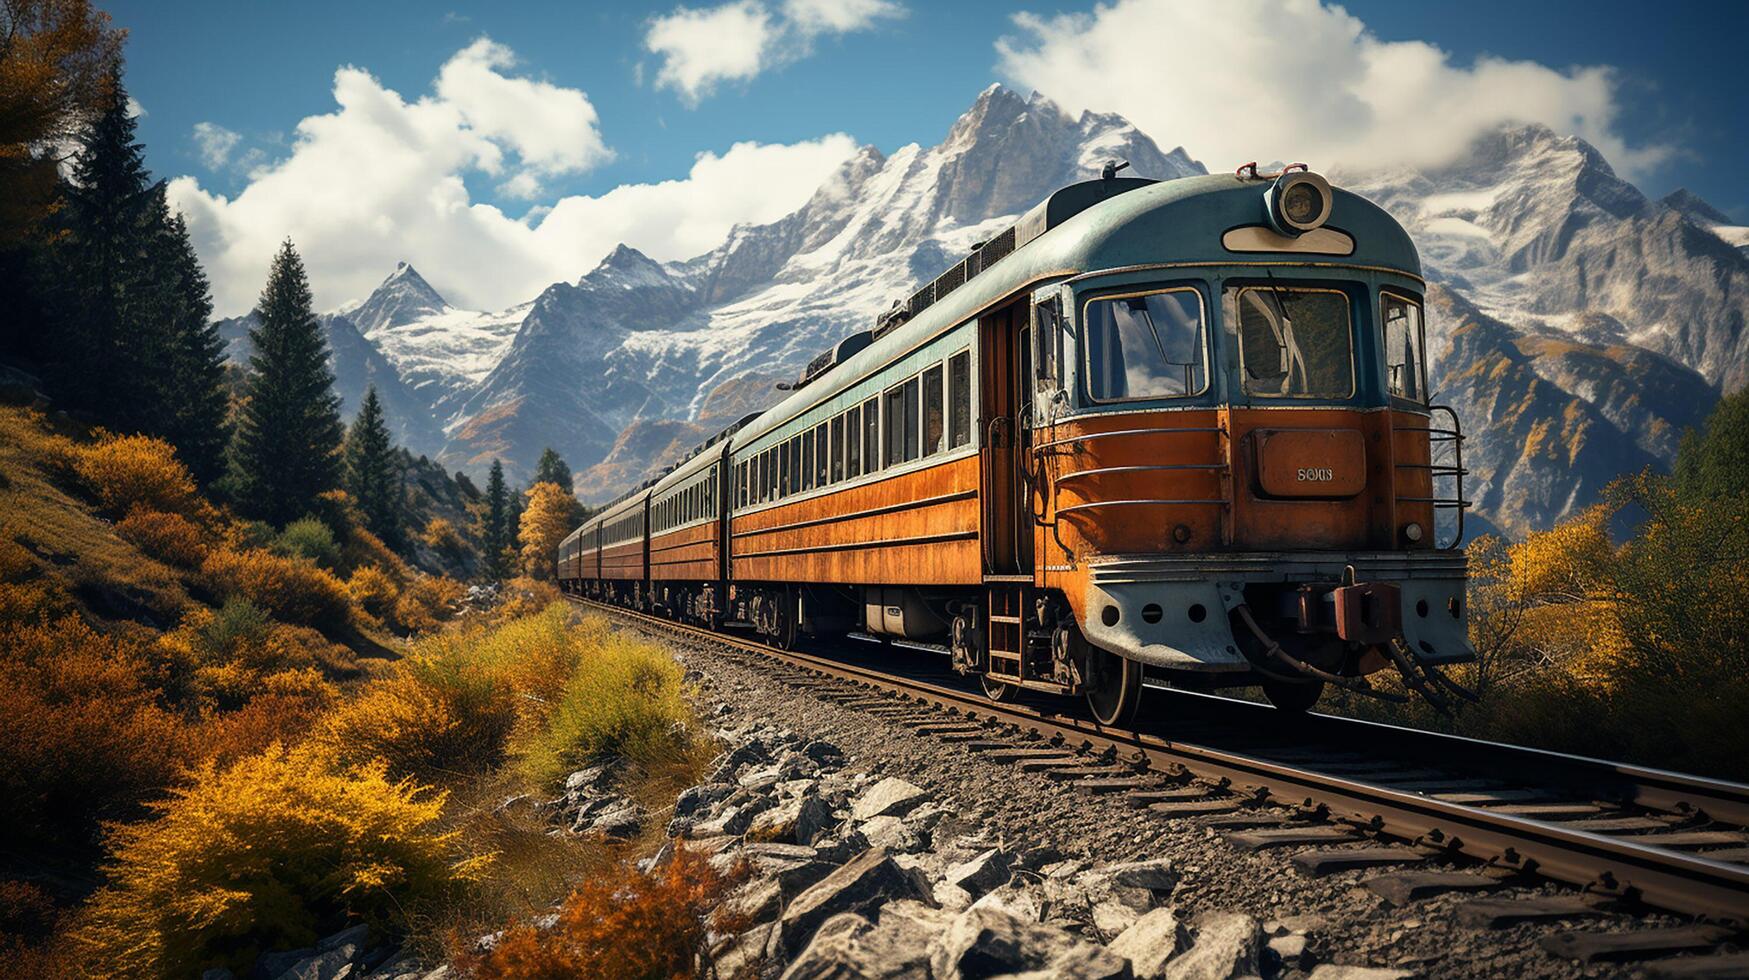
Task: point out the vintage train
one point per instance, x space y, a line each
1176 427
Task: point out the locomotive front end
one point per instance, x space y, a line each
1239 475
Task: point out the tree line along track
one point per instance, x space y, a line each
1628 833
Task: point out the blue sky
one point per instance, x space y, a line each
239 77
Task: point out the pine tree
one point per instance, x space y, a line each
552 469
287 447
495 537
372 476
113 342
198 401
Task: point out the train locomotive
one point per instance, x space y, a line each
1175 429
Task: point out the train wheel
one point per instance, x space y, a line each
996 690
1292 697
785 634
1118 689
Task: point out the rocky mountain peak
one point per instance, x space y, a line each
1685 202
402 298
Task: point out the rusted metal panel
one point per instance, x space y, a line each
1310 462
1263 523
919 527
685 554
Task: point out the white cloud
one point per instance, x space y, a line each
1239 80
703 47
135 109
381 178
215 143
838 16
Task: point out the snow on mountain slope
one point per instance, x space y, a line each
1538 231
438 350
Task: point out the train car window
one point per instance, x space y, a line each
807 482
1405 365
837 449
822 456
912 420
740 494
959 395
871 435
853 445
1296 342
1147 346
934 419
895 413
796 469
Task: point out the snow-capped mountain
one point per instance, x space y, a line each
1577 326
438 350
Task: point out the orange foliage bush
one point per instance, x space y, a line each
25 595
427 602
85 740
374 590
282 708
441 536
622 924
129 471
272 852
170 538
291 589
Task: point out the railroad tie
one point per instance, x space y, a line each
1640 944
1081 772
1688 840
1319 863
1192 808
1262 840
1499 913
1616 825
1723 965
1404 887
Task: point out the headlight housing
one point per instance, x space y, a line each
1298 202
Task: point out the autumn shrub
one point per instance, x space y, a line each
524 596
28 918
624 702
85 737
280 708
441 536
427 602
373 590
26 594
295 590
128 471
170 538
360 548
309 538
434 718
271 852
625 924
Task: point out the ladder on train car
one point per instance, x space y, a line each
1006 630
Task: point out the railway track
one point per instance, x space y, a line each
1351 794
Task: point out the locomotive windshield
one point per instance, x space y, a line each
1405 367
1295 342
1148 346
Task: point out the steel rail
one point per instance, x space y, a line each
1659 877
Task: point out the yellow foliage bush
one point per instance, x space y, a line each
85 738
427 602
625 701
291 589
441 536
524 596
129 471
433 718
170 538
373 590
271 852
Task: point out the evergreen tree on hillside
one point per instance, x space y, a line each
287 447
552 469
495 537
1714 462
372 476
198 405
112 340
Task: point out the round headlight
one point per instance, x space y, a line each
1299 202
